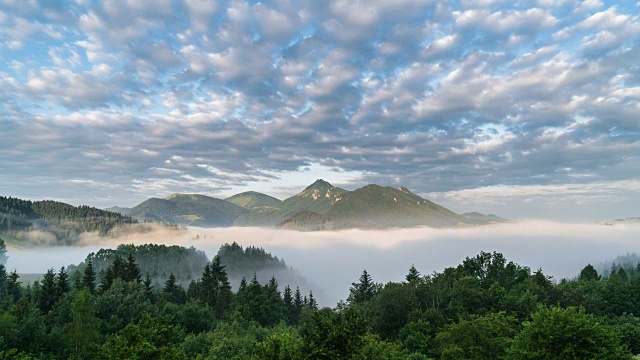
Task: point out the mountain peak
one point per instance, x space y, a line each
319 184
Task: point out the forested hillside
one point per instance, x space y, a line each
485 308
62 221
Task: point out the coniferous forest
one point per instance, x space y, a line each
485 308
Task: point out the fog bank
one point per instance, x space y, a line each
333 260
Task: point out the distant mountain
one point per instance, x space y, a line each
189 209
320 206
317 197
119 210
252 200
484 218
374 206
630 220
54 222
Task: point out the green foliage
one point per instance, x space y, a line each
557 333
485 308
329 334
282 344
83 332
158 261
150 338
478 338
392 308
589 273
363 290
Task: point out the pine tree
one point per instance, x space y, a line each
413 275
313 305
148 288
89 277
173 291
243 284
298 305
118 268
77 280
132 270
14 291
224 293
208 287
287 297
48 295
106 280
63 286
364 290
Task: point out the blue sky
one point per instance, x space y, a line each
523 108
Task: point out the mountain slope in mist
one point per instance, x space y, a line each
320 206
317 197
189 209
54 222
374 206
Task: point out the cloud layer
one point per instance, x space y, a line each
333 260
113 102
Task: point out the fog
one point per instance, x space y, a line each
333 260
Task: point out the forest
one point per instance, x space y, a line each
484 308
63 221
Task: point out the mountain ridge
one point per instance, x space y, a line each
319 206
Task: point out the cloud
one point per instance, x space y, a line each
439 97
559 249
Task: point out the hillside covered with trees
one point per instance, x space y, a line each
61 221
485 308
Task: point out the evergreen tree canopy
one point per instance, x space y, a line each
364 290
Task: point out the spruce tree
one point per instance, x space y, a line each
89 277
287 297
364 290
298 305
413 275
173 291
224 293
313 305
48 295
14 291
132 270
148 288
63 286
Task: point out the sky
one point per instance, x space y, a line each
527 109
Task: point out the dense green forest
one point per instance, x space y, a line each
63 221
485 308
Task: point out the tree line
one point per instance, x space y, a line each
62 220
484 308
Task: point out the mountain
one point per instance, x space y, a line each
482 218
317 197
320 206
189 209
374 206
252 200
